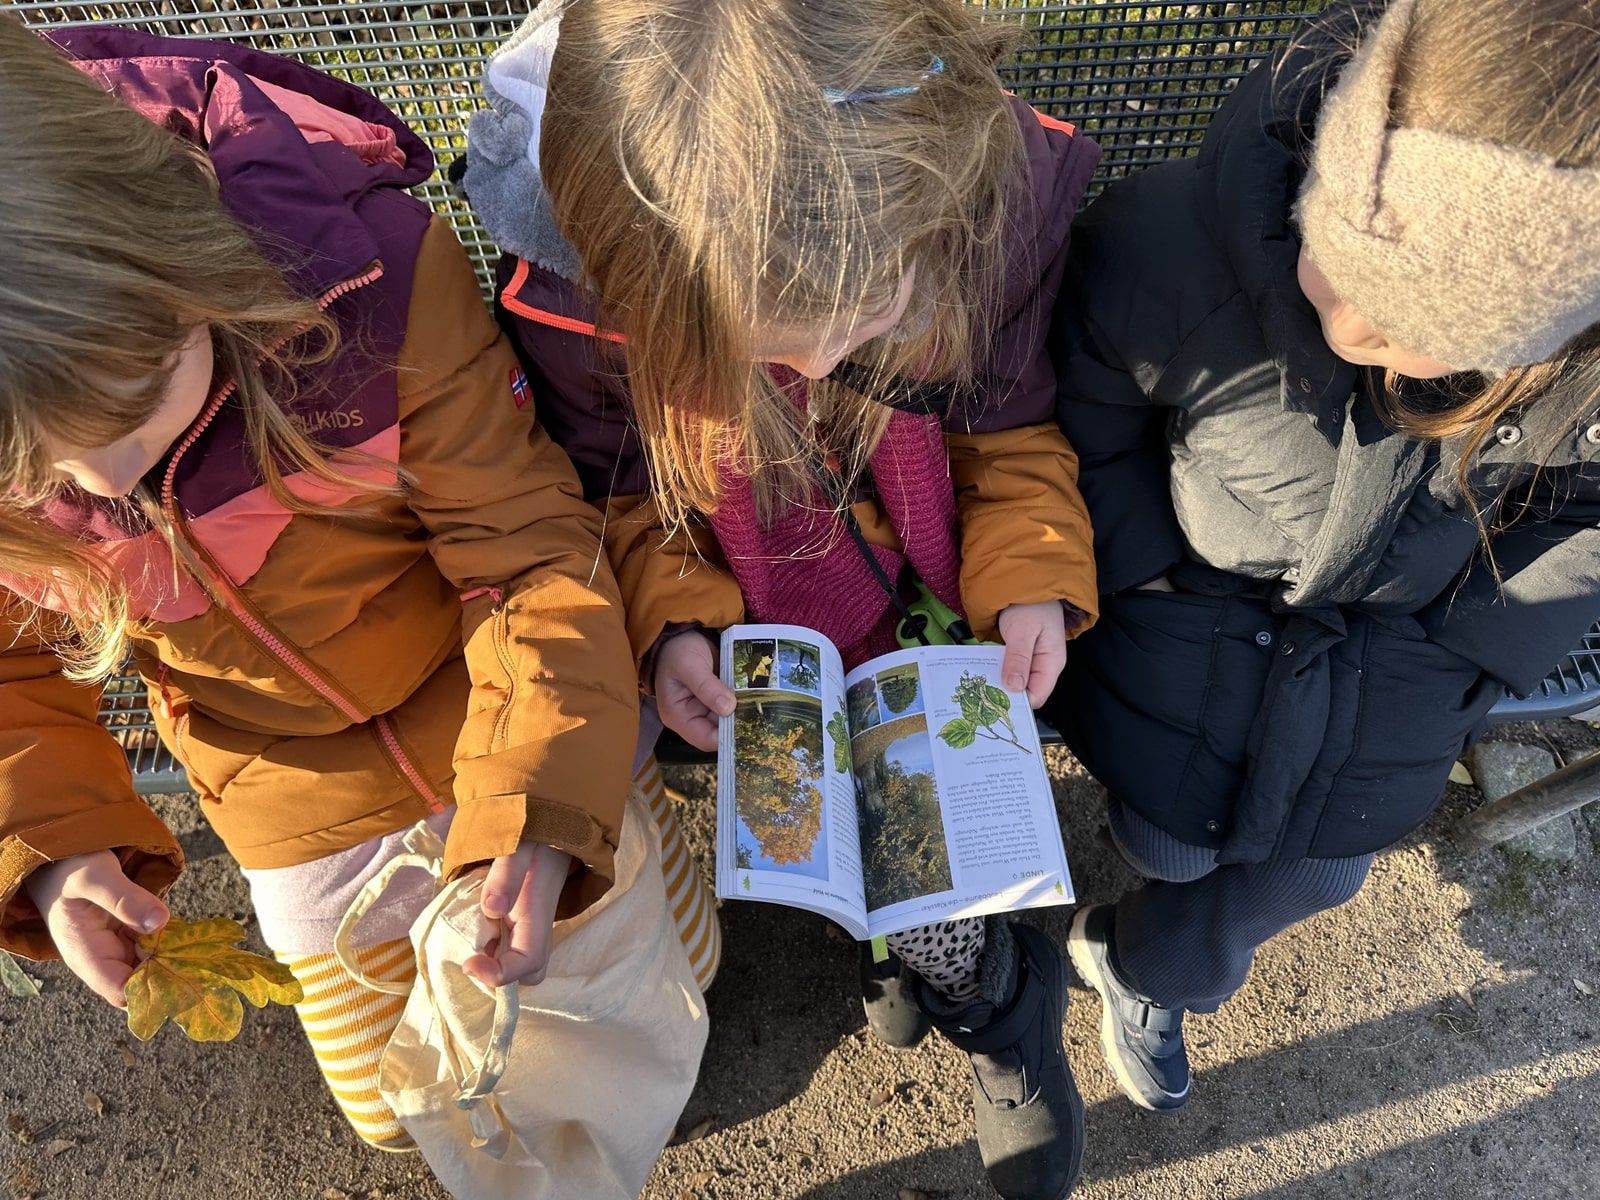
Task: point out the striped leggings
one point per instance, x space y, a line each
349 1026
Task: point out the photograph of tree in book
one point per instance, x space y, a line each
903 853
799 667
753 660
779 765
862 701
985 716
900 690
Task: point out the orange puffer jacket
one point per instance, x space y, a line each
346 691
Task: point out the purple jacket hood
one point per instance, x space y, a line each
315 170
297 196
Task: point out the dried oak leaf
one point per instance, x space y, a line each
195 975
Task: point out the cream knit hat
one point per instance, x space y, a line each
1480 255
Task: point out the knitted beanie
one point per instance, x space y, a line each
1480 255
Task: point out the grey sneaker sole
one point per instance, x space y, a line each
1087 965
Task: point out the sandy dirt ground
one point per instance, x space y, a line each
1439 1036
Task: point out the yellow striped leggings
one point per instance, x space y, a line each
348 1025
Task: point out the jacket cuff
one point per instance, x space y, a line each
1082 608
149 853
493 826
647 664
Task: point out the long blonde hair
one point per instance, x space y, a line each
710 189
116 247
1525 75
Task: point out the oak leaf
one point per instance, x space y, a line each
195 974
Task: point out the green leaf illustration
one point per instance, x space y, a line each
959 734
983 707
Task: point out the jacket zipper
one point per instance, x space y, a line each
497 636
240 611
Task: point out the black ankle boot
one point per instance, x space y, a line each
892 1011
1026 1106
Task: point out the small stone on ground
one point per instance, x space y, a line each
1500 768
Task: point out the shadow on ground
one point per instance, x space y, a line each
1427 1039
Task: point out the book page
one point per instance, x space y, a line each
786 814
956 814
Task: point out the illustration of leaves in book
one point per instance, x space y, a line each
778 772
903 852
862 700
799 667
985 715
840 733
752 663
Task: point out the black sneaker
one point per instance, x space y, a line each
1026 1106
1142 1042
892 1012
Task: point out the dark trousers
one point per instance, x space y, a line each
1187 938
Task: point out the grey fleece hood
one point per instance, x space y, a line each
502 177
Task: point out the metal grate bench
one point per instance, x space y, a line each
1141 78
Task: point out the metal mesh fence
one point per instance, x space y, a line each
1142 78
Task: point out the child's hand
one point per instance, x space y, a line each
1036 648
689 695
520 894
92 911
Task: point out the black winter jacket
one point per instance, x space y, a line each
1223 443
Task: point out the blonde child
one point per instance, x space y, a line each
257 427
784 270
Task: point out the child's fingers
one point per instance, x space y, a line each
700 732
689 719
1048 661
505 882
522 952
103 885
701 679
1021 637
100 958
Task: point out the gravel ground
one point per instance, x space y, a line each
1440 1035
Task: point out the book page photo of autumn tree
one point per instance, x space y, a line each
903 852
778 757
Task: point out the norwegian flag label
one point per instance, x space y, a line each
520 391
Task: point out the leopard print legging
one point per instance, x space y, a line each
945 953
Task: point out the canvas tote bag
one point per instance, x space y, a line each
565 1090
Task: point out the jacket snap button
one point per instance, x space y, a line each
1508 435
1288 648
1213 827
1592 435
1305 385
1263 638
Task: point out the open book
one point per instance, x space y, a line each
909 791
